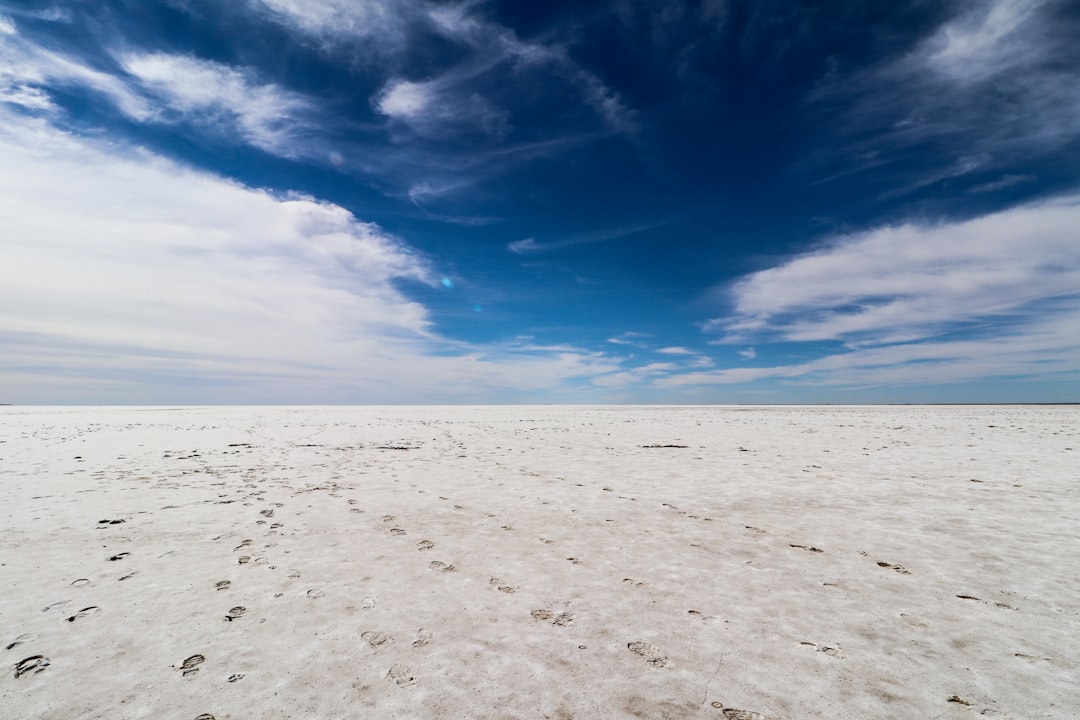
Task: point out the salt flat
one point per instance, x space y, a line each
540 562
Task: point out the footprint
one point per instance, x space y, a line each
31 665
369 602
85 612
110 522
128 576
652 654
401 675
119 556
502 587
423 637
561 619
575 561
388 518
893 566
440 566
314 594
376 639
235 613
190 666
425 545
24 638
267 513
81 582
234 677
205 716
222 584
243 559
808 548
243 544
733 714
828 650
397 531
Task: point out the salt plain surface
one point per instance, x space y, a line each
540 562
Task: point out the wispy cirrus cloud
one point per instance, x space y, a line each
914 281
991 87
223 98
997 296
162 89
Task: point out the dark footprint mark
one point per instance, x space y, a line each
234 677
958 700
397 531
425 545
501 586
119 556
222 584
109 522
893 566
24 638
652 654
561 619
275 526
267 513
828 650
376 639
31 665
810 548
423 637
440 566
243 544
733 714
401 675
388 518
81 582
128 576
575 561
85 612
244 559
205 716
969 597
235 613
315 594
191 666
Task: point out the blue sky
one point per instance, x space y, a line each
353 201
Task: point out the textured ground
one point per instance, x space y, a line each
540 562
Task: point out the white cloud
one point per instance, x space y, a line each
748 353
996 296
992 87
911 281
27 72
128 278
675 351
264 115
987 40
634 339
7 25
403 99
163 88
524 246
374 19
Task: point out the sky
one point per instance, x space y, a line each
622 201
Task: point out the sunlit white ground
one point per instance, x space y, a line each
540 562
